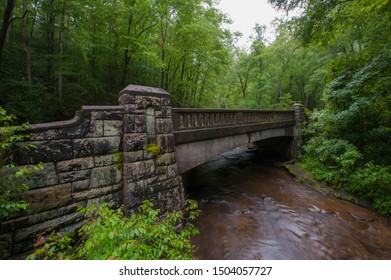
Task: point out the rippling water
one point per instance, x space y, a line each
253 209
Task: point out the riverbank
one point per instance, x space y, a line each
302 175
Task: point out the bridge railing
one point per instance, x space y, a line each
190 119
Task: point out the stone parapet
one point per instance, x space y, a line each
117 154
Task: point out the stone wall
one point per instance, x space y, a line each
101 155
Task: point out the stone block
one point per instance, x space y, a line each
74 176
110 159
107 115
140 124
127 99
135 142
154 180
45 227
69 129
164 126
161 170
129 124
170 200
112 128
165 159
41 217
107 175
96 192
166 143
47 198
42 178
139 170
45 151
165 101
164 112
75 164
69 209
156 187
130 188
5 246
173 182
96 146
133 156
135 193
143 102
79 186
14 223
96 129
112 199
172 171
133 109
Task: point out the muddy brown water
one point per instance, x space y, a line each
254 209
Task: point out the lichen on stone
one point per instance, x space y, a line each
154 150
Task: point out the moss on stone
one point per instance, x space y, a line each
154 150
118 157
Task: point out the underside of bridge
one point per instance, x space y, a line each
192 154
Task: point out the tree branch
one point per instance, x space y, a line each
15 18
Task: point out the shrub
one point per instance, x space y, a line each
373 182
331 160
338 163
108 234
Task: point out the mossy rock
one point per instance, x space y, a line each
154 150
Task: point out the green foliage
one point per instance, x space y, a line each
285 103
373 182
11 177
107 234
102 46
339 164
331 160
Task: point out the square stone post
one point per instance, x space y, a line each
297 140
150 170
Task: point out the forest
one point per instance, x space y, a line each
335 58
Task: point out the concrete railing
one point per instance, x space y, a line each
190 119
191 125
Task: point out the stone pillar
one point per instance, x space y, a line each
150 170
297 140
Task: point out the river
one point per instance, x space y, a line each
254 209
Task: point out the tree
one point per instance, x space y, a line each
354 127
10 4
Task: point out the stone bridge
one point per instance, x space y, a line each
126 154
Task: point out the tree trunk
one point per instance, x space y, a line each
125 70
25 44
61 50
243 86
50 41
6 22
